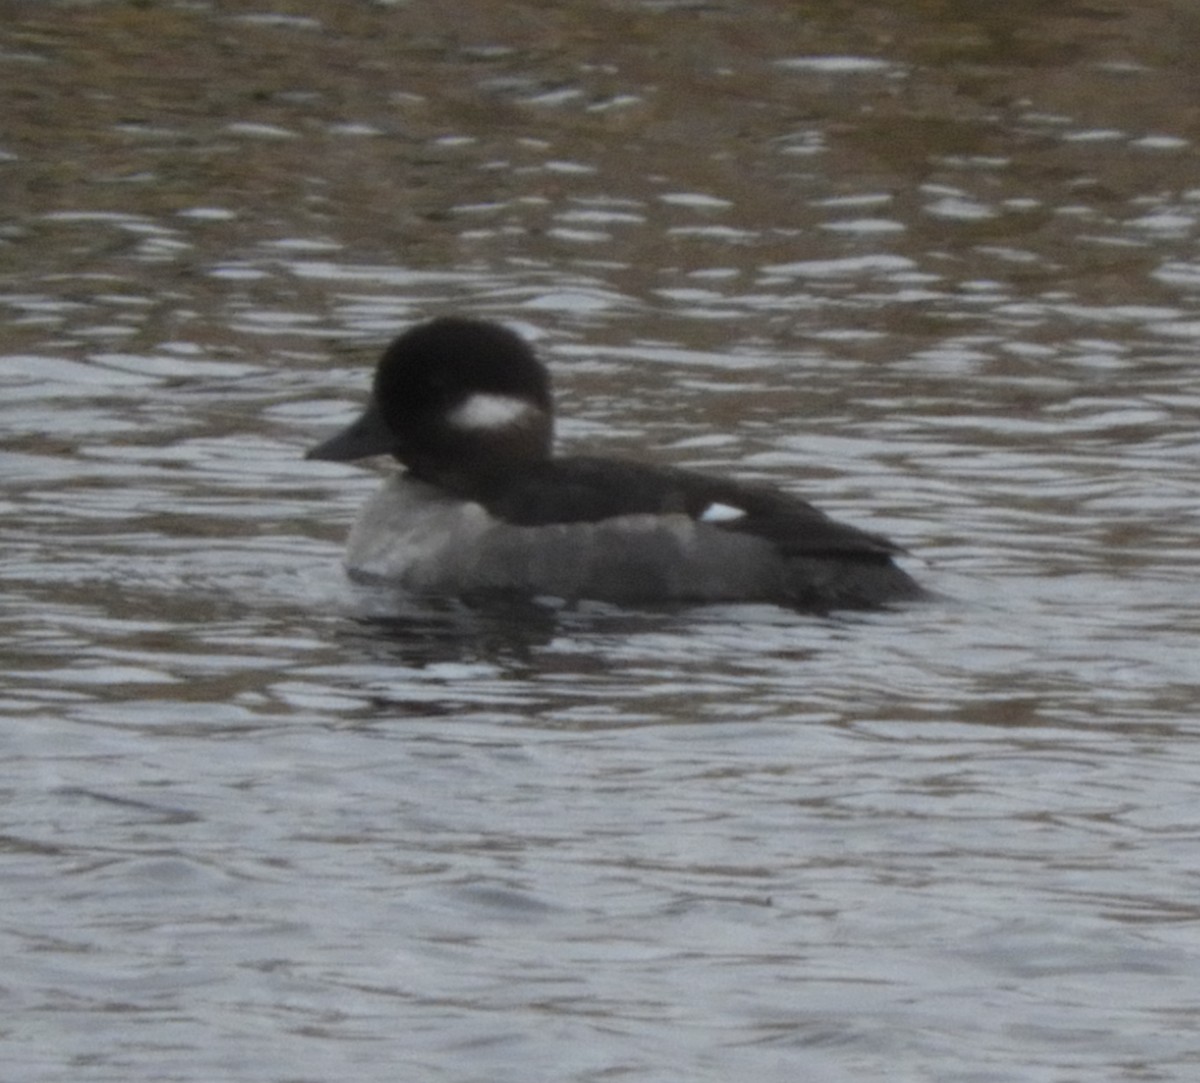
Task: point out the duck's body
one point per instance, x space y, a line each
484 506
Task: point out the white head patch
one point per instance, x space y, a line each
721 513
484 410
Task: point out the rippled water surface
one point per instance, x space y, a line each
931 267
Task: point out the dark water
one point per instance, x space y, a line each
931 266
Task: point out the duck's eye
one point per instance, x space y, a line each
721 513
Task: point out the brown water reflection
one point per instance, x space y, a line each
932 264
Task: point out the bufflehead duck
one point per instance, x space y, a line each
483 505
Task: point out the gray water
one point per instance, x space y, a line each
936 273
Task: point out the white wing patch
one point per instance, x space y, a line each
721 513
487 411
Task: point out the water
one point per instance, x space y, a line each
937 275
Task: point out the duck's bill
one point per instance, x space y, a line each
365 437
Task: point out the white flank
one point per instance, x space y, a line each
486 411
721 513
